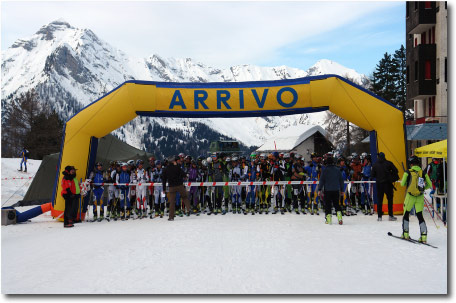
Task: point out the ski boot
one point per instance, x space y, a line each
122 215
339 217
316 211
239 210
405 235
328 219
108 216
275 211
100 218
161 214
144 215
282 211
423 238
95 218
127 215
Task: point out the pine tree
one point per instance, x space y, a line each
399 71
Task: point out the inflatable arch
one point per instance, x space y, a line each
235 99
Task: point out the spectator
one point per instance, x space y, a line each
174 175
24 155
71 193
384 172
332 182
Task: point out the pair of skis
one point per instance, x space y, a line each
411 240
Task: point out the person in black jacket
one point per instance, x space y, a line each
174 175
332 182
383 171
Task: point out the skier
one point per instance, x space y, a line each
24 156
332 183
124 177
210 190
235 176
97 179
217 173
159 197
140 176
110 178
193 176
298 174
265 190
132 191
343 200
286 167
356 175
417 182
366 192
312 172
277 191
150 170
251 176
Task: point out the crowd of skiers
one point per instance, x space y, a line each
141 201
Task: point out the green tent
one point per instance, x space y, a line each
109 149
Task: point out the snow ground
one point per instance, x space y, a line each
232 254
15 190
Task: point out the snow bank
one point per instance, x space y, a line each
15 190
232 254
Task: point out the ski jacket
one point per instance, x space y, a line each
312 171
235 174
70 185
367 171
251 173
123 177
156 175
331 179
405 178
357 169
217 172
97 177
298 172
265 171
193 174
345 172
140 176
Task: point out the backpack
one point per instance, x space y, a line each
416 183
26 153
394 173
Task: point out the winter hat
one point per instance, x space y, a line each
381 155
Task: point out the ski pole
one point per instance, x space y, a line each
431 214
436 212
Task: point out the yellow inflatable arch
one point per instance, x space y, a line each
226 100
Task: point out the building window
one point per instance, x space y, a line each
416 71
427 70
427 5
407 75
423 38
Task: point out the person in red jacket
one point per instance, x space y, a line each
71 193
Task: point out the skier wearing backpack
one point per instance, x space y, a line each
417 182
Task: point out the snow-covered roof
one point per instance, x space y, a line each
290 137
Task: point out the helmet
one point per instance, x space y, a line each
313 155
112 163
152 159
263 156
209 160
354 155
158 162
298 156
228 159
204 162
131 162
340 159
99 164
286 155
139 161
222 155
368 157
193 162
234 158
252 156
188 157
280 154
329 158
200 158
414 160
214 155
364 155
275 154
120 163
124 164
243 158
181 155
292 154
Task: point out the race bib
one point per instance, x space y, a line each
163 195
296 191
133 192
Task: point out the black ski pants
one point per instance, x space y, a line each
384 188
331 199
71 209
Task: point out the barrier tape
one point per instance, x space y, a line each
200 184
17 178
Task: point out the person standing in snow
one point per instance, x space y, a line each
416 181
24 156
174 175
332 182
71 193
384 171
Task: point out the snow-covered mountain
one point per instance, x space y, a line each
71 67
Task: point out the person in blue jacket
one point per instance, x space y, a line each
24 155
124 177
97 179
366 194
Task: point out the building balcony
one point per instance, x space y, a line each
420 16
428 119
421 83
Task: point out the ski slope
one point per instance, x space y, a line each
231 254
14 190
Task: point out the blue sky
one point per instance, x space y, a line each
222 34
